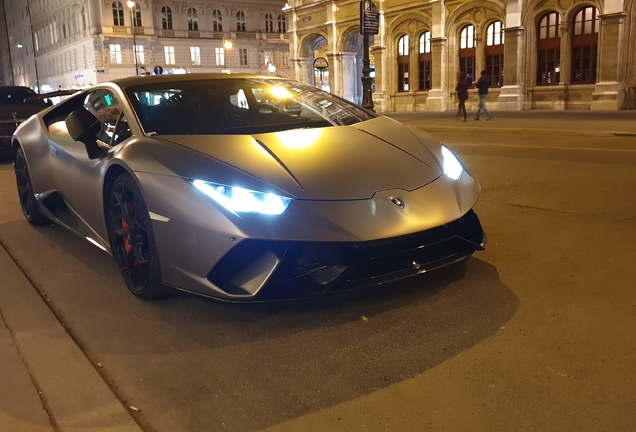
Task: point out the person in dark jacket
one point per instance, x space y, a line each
483 85
462 94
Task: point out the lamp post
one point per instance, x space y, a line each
131 6
369 25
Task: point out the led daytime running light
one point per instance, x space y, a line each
452 167
240 200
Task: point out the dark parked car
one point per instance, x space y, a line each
18 103
245 188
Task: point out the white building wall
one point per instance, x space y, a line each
70 46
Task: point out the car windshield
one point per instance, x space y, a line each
237 106
19 96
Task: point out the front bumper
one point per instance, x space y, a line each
262 270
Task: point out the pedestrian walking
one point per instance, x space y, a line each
462 95
483 85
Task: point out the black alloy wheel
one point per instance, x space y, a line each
25 191
132 240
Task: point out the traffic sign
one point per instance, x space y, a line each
158 70
369 18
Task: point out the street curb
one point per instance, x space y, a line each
72 392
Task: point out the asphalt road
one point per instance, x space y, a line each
535 333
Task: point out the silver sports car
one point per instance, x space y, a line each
244 188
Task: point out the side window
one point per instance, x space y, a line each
106 107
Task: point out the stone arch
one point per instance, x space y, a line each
530 18
351 46
477 16
411 25
309 45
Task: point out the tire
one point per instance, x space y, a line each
132 240
28 203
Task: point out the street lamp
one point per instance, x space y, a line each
131 6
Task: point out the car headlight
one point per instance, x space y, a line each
452 167
239 200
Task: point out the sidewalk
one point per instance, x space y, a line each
48 383
573 123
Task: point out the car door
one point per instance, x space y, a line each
79 179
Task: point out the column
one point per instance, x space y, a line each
351 83
609 93
512 93
335 74
380 101
303 70
565 64
437 95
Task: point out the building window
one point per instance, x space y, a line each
585 46
282 24
424 59
166 18
269 23
467 52
220 56
403 63
243 56
495 53
217 20
169 52
139 53
548 50
115 53
240 21
137 16
193 20
195 56
118 14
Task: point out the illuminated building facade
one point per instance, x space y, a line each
538 54
76 43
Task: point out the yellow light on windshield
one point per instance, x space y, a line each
280 93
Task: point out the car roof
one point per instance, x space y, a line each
156 79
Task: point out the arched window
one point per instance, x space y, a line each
548 49
584 46
424 60
137 16
166 18
118 13
282 24
193 20
467 52
240 21
217 20
269 23
403 63
495 53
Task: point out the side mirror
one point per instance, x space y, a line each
83 126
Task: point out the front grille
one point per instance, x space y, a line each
309 268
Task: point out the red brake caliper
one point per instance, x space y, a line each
127 246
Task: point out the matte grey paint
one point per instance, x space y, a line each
342 183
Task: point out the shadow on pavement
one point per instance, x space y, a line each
282 360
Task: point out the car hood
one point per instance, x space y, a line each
332 163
